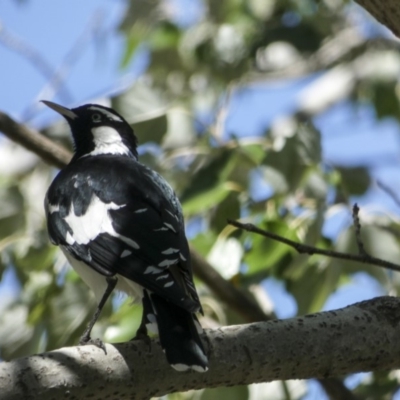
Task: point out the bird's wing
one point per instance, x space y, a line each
128 225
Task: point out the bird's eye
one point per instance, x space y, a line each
96 117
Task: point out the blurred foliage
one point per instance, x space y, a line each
178 109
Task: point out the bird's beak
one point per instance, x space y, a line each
65 112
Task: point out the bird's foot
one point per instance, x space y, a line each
86 340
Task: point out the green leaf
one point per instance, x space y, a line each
355 180
124 323
208 187
180 131
299 151
36 258
15 334
377 242
68 313
144 109
315 185
265 253
204 241
228 208
204 200
12 216
255 152
315 284
275 178
385 99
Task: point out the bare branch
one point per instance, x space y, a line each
237 299
34 141
58 77
361 337
335 389
389 191
305 249
357 227
18 45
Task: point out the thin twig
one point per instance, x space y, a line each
389 191
239 300
357 227
305 249
18 45
58 77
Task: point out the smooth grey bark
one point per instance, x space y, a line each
387 12
361 337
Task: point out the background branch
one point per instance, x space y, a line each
26 50
305 249
45 148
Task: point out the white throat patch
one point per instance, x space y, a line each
107 141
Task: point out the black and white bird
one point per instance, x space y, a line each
120 225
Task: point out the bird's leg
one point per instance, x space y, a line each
141 333
85 338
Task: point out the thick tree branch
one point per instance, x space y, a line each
386 12
34 141
361 337
243 303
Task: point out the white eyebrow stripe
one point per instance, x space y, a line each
106 113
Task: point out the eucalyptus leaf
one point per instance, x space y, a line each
299 151
355 180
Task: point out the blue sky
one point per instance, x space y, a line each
52 29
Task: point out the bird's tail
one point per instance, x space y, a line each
179 333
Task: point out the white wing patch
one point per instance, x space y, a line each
128 241
97 220
140 210
171 250
172 215
69 239
107 113
180 367
125 253
107 141
160 229
167 263
169 226
52 208
152 270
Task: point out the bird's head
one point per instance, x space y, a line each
98 130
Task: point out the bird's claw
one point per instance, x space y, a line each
84 341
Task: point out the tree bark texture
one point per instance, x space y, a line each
387 12
361 337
